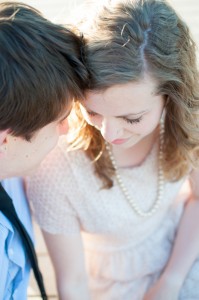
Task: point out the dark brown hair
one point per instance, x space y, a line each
40 69
124 41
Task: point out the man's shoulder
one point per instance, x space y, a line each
13 185
12 254
14 267
15 189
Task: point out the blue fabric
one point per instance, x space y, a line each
14 265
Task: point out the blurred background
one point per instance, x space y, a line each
65 11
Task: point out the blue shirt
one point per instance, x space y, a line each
14 264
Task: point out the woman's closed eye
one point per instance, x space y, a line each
133 121
129 121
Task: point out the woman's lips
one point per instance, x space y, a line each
118 141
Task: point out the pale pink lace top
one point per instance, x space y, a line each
124 252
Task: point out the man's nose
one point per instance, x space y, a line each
63 127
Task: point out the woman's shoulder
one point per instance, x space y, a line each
71 155
62 157
57 173
60 163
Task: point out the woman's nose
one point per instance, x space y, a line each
110 129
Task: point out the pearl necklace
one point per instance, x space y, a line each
160 188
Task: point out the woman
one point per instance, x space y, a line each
117 214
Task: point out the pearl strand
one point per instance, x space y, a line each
160 187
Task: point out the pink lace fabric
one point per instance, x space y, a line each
124 253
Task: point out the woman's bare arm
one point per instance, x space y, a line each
67 256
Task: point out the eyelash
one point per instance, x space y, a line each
129 121
133 121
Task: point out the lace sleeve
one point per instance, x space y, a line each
48 190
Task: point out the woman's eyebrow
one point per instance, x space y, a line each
133 114
121 116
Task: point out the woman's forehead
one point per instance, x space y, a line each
134 98
124 92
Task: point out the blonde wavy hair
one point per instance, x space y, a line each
125 40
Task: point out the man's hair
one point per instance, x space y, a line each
41 71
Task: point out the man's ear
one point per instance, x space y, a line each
3 135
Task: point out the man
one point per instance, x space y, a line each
40 74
